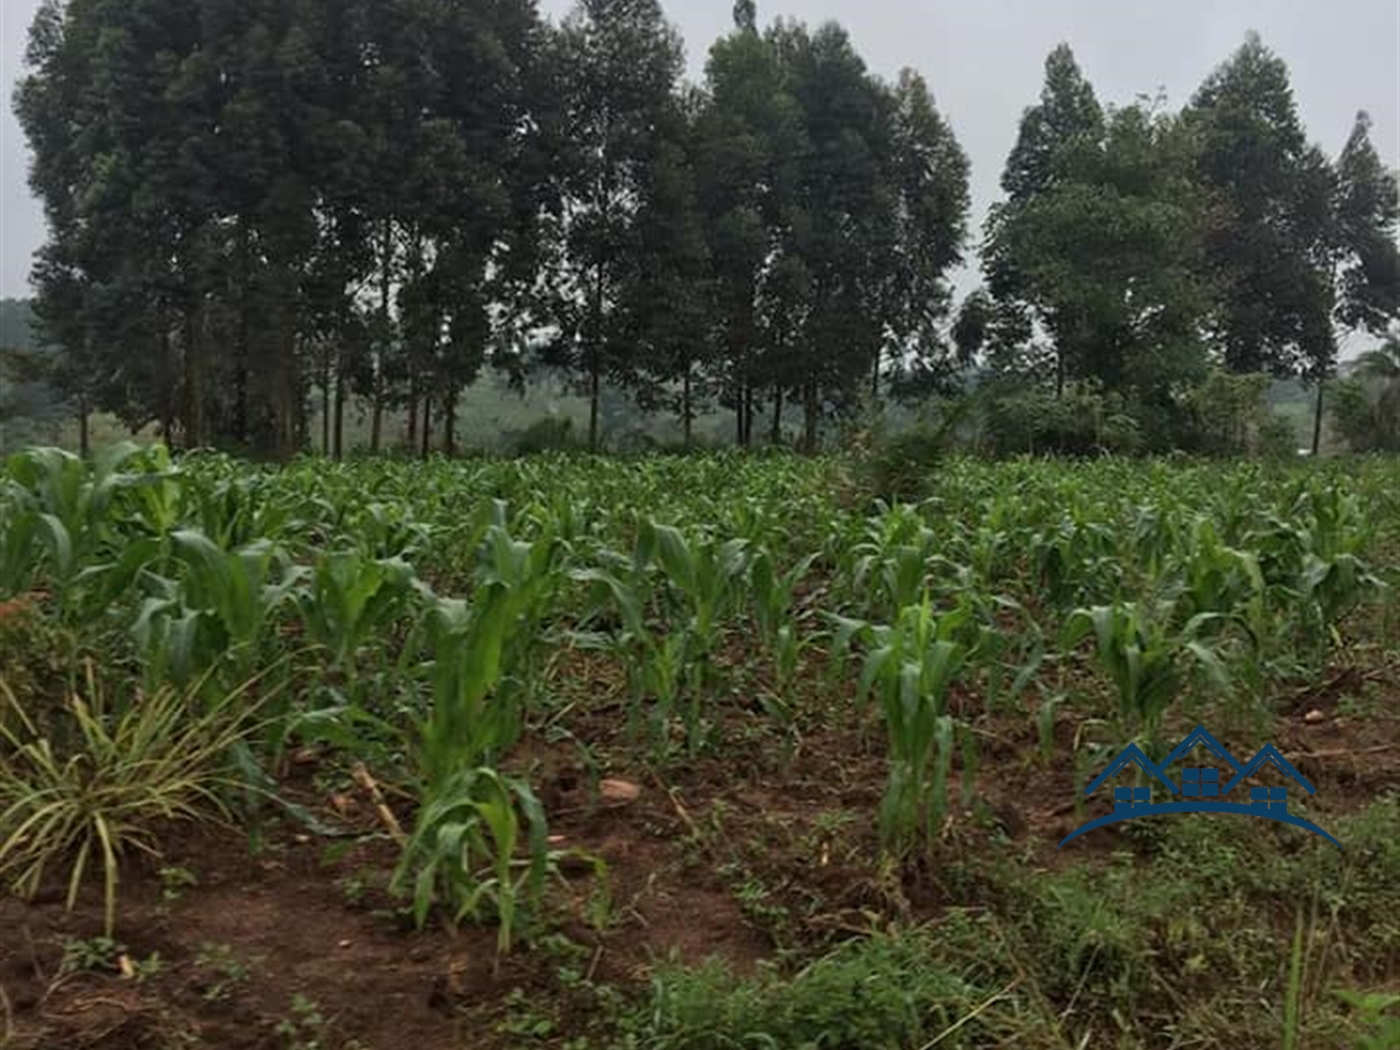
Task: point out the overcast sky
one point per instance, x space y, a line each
983 60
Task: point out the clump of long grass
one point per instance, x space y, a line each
98 783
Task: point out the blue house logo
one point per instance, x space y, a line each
1201 789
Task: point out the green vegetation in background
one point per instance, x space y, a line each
774 242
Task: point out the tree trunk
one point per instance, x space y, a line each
169 373
241 364
449 423
411 439
289 426
595 362
326 403
686 415
809 412
427 422
594 389
84 441
875 379
738 410
376 420
193 423
376 430
775 434
338 429
1317 418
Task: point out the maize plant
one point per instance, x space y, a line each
462 849
1145 659
69 507
772 593
1077 559
217 611
891 564
910 668
350 601
235 510
478 671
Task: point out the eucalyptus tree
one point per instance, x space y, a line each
617 63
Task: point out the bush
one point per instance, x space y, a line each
549 434
901 467
1082 421
1366 414
1229 415
1276 437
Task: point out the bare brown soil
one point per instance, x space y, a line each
794 815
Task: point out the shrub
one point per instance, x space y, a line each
1276 437
1366 414
548 434
1229 415
901 466
1083 420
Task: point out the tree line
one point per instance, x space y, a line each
261 212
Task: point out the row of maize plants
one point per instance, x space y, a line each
408 610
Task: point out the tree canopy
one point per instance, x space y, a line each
262 212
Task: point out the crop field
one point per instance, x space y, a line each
690 753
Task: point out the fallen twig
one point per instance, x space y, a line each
386 815
676 803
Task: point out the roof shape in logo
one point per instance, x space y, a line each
1200 735
1269 755
1132 753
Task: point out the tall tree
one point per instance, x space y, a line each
926 175
618 62
1067 122
750 137
1357 263
1262 250
667 300
1068 111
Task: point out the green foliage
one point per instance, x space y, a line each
903 466
222 972
351 601
692 585
1378 1017
549 434
1145 658
90 955
1082 421
1230 416
886 991
910 667
1366 405
463 850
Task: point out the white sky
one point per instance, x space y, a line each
982 59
